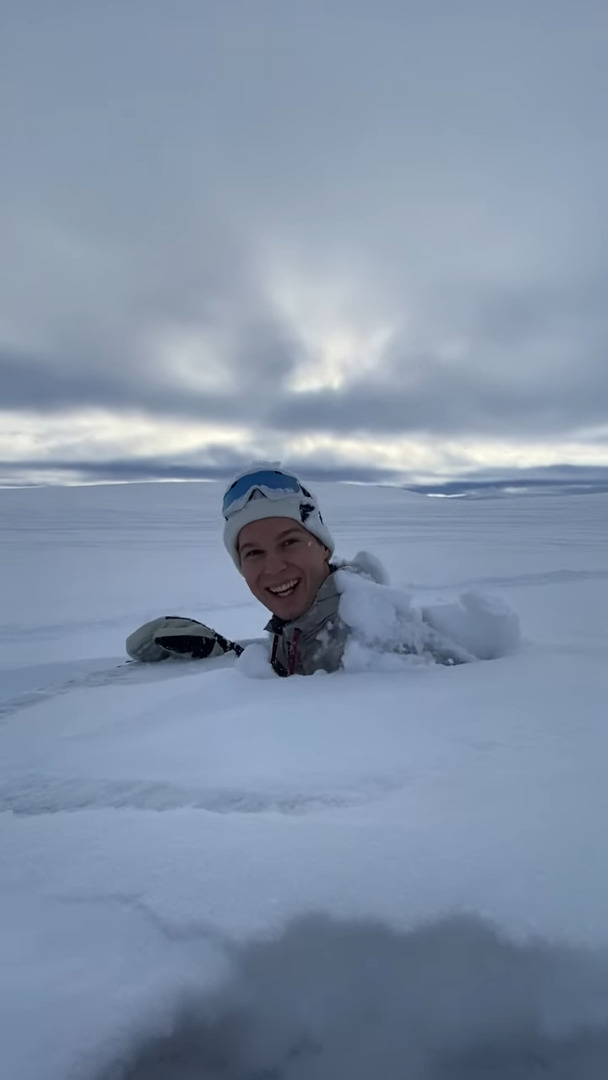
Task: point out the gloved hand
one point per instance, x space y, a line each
174 636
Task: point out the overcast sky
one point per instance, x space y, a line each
367 237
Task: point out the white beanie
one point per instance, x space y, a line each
301 507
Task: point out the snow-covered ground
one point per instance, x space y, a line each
205 874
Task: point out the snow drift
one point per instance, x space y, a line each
201 870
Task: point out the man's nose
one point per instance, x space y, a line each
275 560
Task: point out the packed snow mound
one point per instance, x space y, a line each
484 625
390 632
254 662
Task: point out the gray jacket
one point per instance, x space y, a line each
315 641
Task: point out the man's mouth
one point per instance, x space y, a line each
286 589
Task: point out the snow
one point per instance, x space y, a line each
378 872
390 632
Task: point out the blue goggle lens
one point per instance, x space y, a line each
273 481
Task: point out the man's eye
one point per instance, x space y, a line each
290 540
251 552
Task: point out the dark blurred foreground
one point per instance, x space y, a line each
332 1000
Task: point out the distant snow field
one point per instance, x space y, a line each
374 874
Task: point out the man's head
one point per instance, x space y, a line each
277 538
283 565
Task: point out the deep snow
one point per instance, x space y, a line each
257 860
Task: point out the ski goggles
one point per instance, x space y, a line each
269 482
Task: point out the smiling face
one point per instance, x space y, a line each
283 565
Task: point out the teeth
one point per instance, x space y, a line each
280 589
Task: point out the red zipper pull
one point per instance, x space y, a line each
293 652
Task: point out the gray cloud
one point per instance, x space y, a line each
534 364
217 463
220 463
165 178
